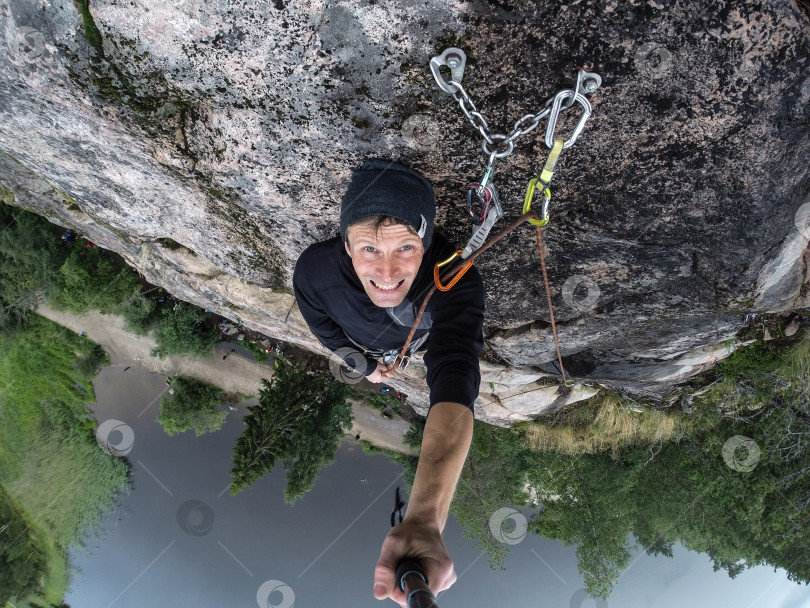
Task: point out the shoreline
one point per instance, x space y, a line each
228 370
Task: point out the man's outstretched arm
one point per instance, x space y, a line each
445 443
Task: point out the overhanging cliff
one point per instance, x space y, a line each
231 128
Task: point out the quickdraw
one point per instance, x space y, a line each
497 146
543 179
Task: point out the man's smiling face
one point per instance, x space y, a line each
386 260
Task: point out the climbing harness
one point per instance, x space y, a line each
483 203
388 357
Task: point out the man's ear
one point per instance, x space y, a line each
346 245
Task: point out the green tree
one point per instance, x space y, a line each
89 365
687 493
31 253
493 477
36 263
182 329
90 279
140 313
192 405
384 401
316 441
587 503
300 419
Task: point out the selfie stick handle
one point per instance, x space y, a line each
411 579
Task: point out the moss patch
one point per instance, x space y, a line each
92 35
6 195
170 244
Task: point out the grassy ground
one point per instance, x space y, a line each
775 373
600 424
54 574
50 463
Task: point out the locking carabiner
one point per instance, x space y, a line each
484 197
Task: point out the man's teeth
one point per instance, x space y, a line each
386 287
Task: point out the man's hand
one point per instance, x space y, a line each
413 538
447 436
381 374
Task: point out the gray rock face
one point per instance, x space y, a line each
231 129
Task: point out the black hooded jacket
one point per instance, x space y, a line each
334 305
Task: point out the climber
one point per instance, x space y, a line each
359 292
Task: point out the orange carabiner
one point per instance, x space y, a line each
457 276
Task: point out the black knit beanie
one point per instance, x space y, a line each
385 187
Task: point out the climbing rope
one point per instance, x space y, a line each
548 297
498 146
452 271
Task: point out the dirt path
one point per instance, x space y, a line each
228 370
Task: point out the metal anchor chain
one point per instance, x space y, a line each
497 146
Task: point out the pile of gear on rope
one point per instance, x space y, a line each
483 194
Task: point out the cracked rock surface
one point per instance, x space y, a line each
231 128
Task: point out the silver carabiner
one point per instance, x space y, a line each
453 58
554 116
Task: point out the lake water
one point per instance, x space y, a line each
180 539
